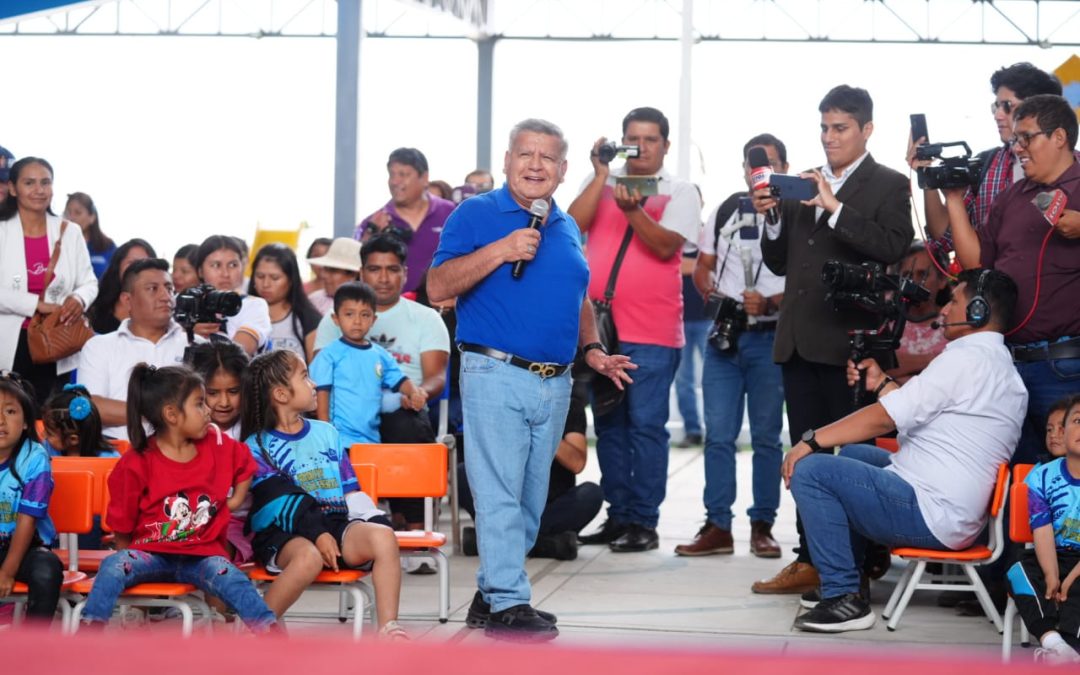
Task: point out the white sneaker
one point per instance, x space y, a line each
1062 655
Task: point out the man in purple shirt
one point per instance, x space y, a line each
1039 248
412 212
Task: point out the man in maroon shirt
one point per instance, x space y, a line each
1039 248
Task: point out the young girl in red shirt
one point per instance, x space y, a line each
169 503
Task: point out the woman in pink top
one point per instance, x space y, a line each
28 232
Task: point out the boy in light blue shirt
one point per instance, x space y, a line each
350 373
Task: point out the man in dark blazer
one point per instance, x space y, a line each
862 212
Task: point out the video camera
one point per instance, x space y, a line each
205 304
866 287
952 172
610 150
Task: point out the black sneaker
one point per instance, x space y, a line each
608 532
837 615
520 623
480 612
811 598
561 546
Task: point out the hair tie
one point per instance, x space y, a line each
79 408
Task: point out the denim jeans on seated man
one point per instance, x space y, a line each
513 422
632 440
691 364
849 499
729 382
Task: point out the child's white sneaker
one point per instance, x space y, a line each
1058 655
393 632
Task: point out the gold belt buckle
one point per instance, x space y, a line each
544 370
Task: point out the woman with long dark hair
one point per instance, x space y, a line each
220 263
107 312
294 320
80 209
29 233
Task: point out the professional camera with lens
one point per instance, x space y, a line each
205 304
866 287
729 321
609 151
951 172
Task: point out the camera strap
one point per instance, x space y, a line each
609 292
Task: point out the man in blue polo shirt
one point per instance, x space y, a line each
518 337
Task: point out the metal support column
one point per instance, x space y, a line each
485 47
682 133
346 121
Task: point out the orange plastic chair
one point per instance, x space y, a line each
352 594
184 597
414 470
87 560
1019 532
887 443
120 445
69 509
967 559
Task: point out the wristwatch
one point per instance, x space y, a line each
593 345
809 437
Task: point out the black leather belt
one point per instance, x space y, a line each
1066 349
543 370
760 326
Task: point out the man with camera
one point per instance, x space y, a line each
862 212
149 334
997 167
958 421
743 303
649 214
1033 234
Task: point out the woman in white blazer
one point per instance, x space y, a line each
28 232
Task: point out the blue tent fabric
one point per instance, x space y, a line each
10 9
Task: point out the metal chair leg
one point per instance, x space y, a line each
909 590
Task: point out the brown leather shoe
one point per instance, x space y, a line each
797 577
762 543
710 540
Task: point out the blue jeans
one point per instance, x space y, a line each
848 500
513 423
748 377
632 440
1046 382
213 575
686 377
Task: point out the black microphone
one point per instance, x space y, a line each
760 172
538 210
940 324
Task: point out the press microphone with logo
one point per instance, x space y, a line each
760 172
1052 204
538 210
943 324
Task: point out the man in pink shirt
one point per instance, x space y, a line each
632 441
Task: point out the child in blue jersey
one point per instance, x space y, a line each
73 426
1044 583
308 511
25 488
351 373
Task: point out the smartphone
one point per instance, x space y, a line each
746 206
792 187
647 186
918 128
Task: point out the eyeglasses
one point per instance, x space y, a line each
1007 106
1022 139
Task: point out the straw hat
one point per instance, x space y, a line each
343 254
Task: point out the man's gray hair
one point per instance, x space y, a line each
539 126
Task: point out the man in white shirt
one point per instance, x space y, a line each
958 421
150 335
738 366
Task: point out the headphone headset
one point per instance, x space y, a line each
978 309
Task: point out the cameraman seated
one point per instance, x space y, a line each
148 334
998 166
957 421
921 341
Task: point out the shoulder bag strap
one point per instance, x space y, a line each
52 261
609 292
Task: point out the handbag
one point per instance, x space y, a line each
606 396
48 339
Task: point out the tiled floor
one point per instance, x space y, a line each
657 598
